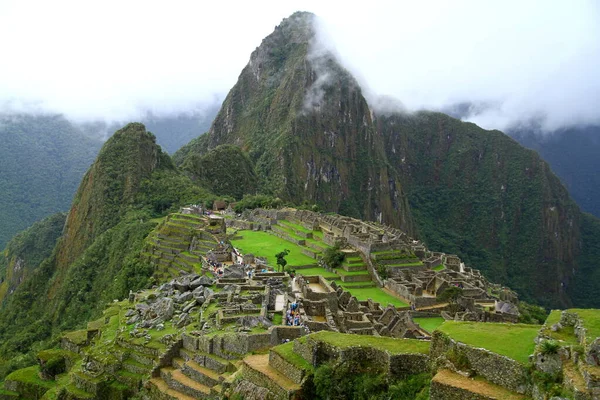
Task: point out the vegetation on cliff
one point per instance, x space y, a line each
42 159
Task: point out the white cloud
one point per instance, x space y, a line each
113 58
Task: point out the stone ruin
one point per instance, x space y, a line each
419 285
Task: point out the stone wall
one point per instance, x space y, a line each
281 365
495 368
394 365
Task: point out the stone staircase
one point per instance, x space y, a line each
194 374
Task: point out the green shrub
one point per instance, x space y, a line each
548 347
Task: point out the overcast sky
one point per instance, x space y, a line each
112 59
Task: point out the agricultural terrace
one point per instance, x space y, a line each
591 321
566 334
514 341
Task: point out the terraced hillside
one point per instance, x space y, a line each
178 244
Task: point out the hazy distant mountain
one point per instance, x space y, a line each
171 131
571 152
42 160
574 155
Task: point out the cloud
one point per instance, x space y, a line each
116 59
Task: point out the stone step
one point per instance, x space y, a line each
210 361
450 385
136 367
130 379
182 383
164 392
256 369
201 374
354 267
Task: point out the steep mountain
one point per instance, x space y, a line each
307 128
573 155
42 160
481 195
97 258
310 133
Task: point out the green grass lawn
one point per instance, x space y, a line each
591 321
394 346
294 225
438 268
429 323
266 245
316 271
511 340
343 272
376 294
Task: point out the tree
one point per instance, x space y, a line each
281 261
333 257
451 295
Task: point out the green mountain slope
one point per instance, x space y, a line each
323 149
27 250
42 160
481 195
97 258
225 170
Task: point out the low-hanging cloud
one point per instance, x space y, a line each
117 60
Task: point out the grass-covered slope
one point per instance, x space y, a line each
98 257
42 160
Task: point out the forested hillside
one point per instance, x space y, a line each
42 160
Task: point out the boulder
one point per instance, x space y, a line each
183 320
183 297
164 308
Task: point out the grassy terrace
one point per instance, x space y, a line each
31 376
429 323
394 346
515 341
566 334
591 321
317 271
266 245
294 226
287 352
376 294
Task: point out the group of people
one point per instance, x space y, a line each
292 316
217 268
